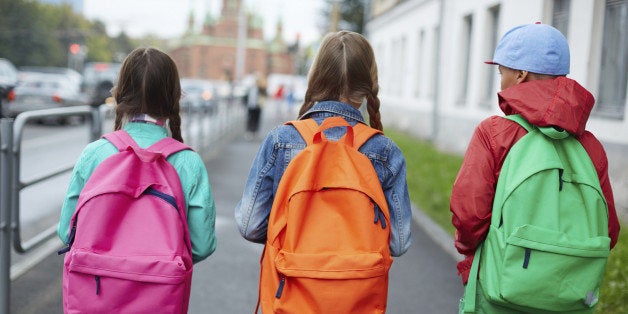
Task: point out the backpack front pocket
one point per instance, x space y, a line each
314 281
128 282
557 272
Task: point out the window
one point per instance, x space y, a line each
434 62
491 72
560 15
403 70
467 27
614 64
420 46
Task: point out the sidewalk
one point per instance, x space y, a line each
423 280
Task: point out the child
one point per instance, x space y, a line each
147 97
533 61
343 75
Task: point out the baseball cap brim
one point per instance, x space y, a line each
490 62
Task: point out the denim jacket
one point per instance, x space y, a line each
284 142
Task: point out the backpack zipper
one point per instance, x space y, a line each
97 278
526 258
379 216
168 198
70 241
282 282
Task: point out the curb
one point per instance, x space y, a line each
436 233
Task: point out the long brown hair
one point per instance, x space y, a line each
149 83
344 68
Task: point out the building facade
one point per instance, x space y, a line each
230 46
434 83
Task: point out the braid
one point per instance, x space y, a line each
118 123
373 110
175 127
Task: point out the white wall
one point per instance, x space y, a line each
401 71
440 114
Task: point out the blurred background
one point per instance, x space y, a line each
433 84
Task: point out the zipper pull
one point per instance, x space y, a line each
70 241
97 278
282 282
379 216
526 257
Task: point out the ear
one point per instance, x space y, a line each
522 76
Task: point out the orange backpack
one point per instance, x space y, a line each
327 247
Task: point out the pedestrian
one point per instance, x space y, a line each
254 103
342 77
533 61
147 109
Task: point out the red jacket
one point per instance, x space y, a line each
558 102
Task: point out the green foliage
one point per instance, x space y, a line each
39 34
431 175
614 291
351 15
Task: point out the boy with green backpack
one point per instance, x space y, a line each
532 203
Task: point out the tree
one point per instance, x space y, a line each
39 34
351 15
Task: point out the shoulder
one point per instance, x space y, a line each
95 152
286 136
594 149
382 148
187 159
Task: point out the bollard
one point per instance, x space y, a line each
6 143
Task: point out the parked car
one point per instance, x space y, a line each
73 75
198 95
44 91
8 80
98 80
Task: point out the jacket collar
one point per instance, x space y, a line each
558 102
324 109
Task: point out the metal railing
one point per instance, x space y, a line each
202 130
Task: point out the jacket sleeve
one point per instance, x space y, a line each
70 201
201 209
253 209
472 196
398 199
598 156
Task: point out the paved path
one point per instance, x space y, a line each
421 281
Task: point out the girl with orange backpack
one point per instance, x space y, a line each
343 76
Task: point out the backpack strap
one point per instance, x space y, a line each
547 130
521 121
168 146
120 139
363 133
308 128
470 290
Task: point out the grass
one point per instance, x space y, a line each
430 176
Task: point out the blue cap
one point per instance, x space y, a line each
537 48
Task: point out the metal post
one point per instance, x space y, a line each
96 123
437 85
6 143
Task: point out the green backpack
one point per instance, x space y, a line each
547 245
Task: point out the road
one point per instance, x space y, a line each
421 281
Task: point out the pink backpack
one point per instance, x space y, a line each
129 247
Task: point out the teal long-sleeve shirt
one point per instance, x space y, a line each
199 201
